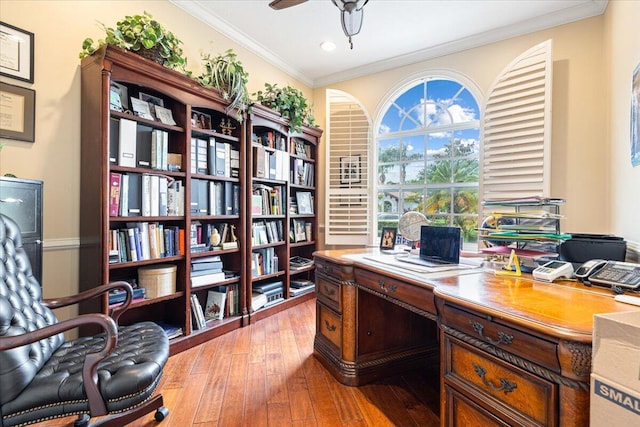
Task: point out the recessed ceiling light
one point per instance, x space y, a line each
328 46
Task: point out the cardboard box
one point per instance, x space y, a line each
616 348
612 404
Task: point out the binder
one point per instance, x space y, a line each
221 155
235 205
145 195
114 139
212 198
154 193
162 196
194 206
203 197
114 193
228 198
211 156
127 143
143 146
135 193
124 195
259 161
202 154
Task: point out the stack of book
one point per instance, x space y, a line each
274 292
172 331
117 296
299 263
301 286
206 271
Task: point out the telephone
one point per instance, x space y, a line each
618 275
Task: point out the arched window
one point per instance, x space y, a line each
428 155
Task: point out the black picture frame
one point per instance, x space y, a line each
19 113
350 169
17 47
388 238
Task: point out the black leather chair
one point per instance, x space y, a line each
42 376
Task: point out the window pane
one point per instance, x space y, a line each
438 144
388 150
465 201
389 174
411 201
413 147
415 173
438 201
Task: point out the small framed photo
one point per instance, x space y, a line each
200 120
388 238
119 97
300 234
350 169
305 202
153 102
16 46
141 108
18 106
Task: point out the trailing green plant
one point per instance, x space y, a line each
288 101
226 73
139 33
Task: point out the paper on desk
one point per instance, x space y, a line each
404 267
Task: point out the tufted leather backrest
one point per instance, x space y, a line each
21 311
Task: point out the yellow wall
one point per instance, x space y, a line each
593 62
622 48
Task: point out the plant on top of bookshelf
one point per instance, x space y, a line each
226 73
143 35
288 101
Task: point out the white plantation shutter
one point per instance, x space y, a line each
348 197
517 128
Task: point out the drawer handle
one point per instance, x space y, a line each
329 327
329 291
502 337
505 385
391 288
11 200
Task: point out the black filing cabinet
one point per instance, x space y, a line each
21 200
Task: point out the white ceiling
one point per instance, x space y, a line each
394 32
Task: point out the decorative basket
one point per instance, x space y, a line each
152 54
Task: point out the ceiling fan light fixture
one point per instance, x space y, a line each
351 15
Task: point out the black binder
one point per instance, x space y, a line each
143 146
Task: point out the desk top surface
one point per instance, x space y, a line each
563 309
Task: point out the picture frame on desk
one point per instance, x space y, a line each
19 113
388 238
17 47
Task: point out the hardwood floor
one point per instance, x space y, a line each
265 375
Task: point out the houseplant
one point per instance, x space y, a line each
226 73
288 101
144 35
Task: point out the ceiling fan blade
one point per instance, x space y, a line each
283 4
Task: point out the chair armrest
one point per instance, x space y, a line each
97 405
92 293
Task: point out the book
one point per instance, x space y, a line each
114 193
258 300
266 287
135 198
196 307
294 292
215 305
172 331
207 279
114 140
119 295
300 283
127 143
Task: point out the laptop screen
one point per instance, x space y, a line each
440 244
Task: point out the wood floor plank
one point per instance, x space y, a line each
202 364
184 410
255 404
233 406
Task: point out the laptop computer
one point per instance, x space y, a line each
439 246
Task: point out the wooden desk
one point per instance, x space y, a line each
512 350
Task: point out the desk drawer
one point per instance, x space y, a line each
329 325
405 292
328 292
340 272
496 384
532 348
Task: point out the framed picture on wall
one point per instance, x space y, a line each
350 169
16 46
18 113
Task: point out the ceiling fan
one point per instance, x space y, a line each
351 13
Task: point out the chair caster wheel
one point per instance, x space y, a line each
161 413
82 421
